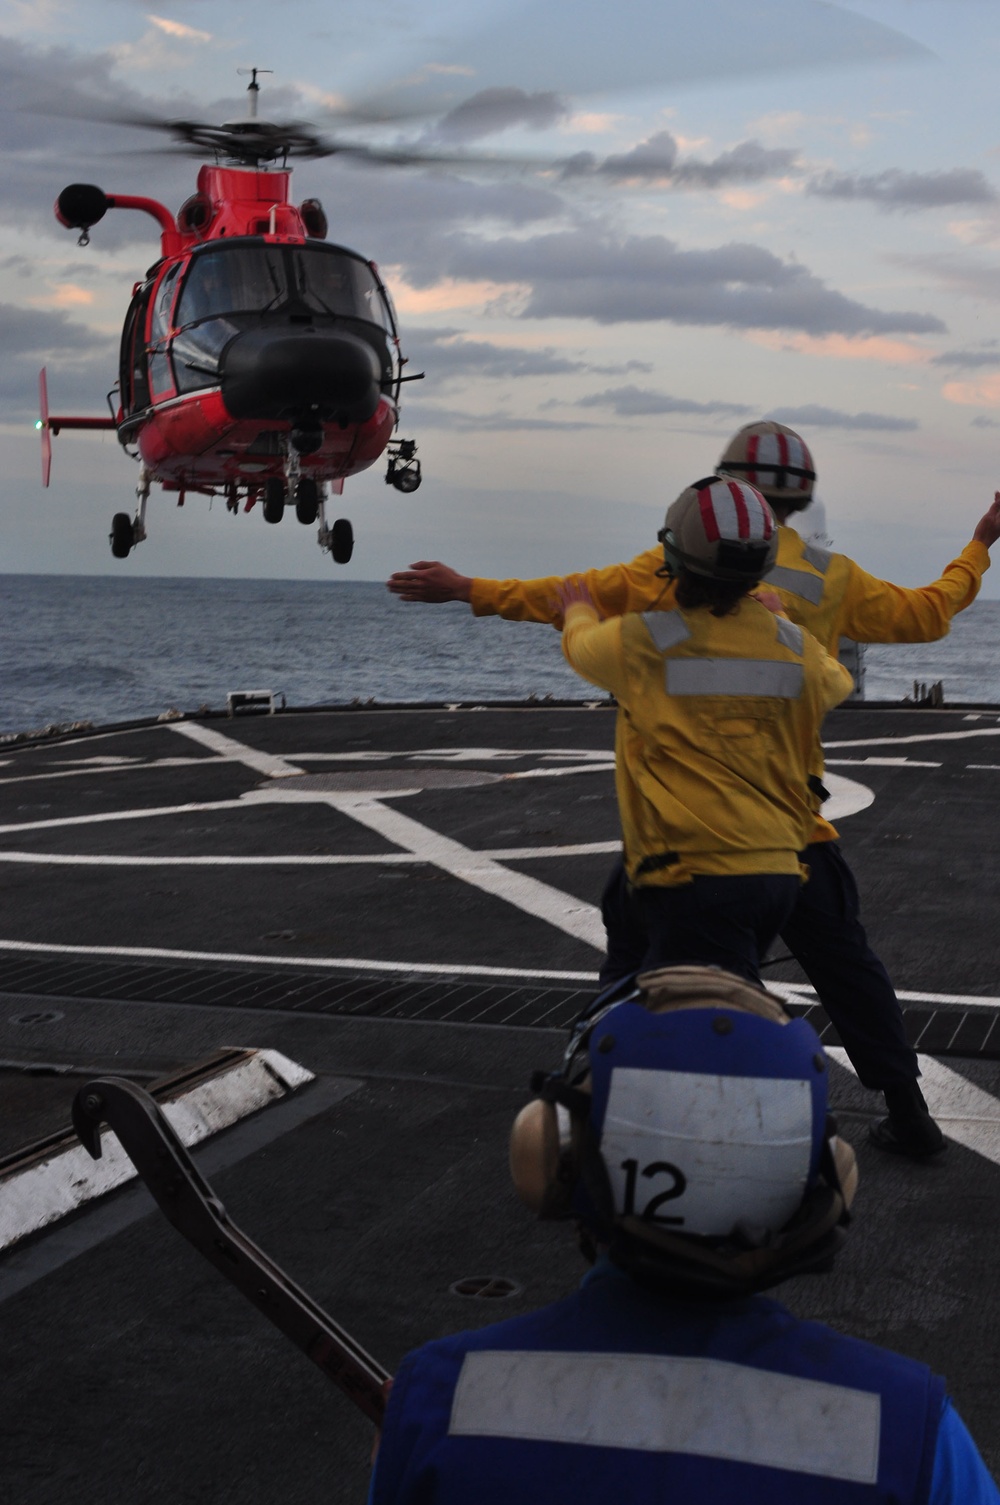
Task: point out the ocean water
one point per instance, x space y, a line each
105 649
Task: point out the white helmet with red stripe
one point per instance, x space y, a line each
721 528
773 458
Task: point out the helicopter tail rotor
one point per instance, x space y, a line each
43 426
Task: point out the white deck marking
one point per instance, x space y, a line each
109 815
847 797
329 859
878 763
326 859
967 1114
126 765
801 992
558 773
981 731
571 915
422 969
266 763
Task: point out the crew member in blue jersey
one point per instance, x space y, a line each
687 1134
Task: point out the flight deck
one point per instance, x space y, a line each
405 902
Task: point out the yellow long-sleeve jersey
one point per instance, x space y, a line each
717 728
826 593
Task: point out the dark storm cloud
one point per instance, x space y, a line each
968 360
894 189
493 110
815 416
589 273
430 415
81 366
656 160
639 402
446 356
36 332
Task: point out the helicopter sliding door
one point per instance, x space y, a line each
133 372
161 379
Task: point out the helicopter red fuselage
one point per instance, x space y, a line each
251 329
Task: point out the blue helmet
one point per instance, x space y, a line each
690 1135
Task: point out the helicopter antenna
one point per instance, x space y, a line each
253 87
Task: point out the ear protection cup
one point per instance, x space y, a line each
535 1155
846 1166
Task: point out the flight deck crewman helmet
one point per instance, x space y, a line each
773 458
722 529
687 1131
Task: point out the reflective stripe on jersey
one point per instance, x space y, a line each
817 557
790 635
797 582
734 676
700 1407
666 628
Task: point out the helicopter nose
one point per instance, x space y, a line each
272 373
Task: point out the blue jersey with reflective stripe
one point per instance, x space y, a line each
616 1394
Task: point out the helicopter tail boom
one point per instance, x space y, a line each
48 425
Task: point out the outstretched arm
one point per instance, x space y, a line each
875 611
616 590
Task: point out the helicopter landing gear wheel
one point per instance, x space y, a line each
341 541
122 535
274 499
306 500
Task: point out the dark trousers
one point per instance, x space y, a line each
824 933
727 921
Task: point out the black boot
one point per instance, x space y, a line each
909 1128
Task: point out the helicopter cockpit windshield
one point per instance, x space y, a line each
232 287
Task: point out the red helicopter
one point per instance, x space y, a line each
258 361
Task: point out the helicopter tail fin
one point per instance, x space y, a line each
43 426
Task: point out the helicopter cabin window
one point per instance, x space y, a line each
159 324
233 279
232 288
328 281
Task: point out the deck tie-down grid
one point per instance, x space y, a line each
440 999
942 1031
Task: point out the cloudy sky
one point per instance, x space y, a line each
729 211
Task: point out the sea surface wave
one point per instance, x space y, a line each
108 649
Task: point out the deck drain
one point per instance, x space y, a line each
43 1016
374 781
486 1288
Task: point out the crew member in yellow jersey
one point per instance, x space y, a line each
720 706
833 597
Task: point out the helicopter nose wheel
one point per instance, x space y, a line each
306 500
342 541
274 499
122 535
